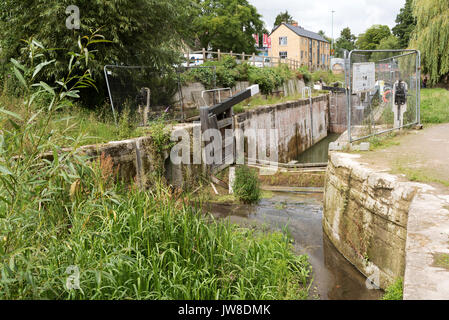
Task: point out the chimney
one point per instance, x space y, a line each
294 23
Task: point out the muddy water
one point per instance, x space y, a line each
318 153
334 277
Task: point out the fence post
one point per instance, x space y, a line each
243 57
219 55
231 53
204 55
254 59
188 59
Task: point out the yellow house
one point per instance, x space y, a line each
290 41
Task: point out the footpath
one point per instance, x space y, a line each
422 156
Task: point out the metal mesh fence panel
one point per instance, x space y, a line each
384 91
146 94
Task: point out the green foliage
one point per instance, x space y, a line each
405 24
434 106
126 125
136 39
394 291
391 42
246 185
227 25
345 42
431 37
283 17
326 76
228 72
372 37
306 75
321 33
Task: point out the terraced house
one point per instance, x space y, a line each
290 41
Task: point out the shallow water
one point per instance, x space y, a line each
318 153
334 277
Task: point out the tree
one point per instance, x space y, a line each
283 17
431 37
372 37
405 24
227 25
390 42
321 33
143 32
345 42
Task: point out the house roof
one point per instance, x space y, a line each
302 32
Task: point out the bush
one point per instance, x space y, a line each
246 185
305 73
228 72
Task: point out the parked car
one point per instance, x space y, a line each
196 59
258 61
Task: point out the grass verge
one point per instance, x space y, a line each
434 105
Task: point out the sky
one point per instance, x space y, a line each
315 15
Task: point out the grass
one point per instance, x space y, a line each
394 291
418 175
253 103
232 199
246 185
434 105
135 245
384 141
73 121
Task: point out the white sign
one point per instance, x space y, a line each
364 77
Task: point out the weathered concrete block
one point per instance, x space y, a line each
365 216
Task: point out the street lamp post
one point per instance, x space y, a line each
332 43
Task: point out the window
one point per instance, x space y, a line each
282 41
283 54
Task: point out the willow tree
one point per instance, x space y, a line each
431 36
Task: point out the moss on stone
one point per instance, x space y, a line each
441 260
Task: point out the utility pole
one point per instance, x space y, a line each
332 43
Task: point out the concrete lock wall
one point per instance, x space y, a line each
135 160
300 125
338 112
365 216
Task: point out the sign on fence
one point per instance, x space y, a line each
364 77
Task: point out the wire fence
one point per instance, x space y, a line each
384 91
143 92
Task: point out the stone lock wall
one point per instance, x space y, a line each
365 216
135 160
299 124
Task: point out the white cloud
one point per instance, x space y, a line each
316 15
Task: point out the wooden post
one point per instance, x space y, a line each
188 59
231 53
243 57
254 59
219 55
204 55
